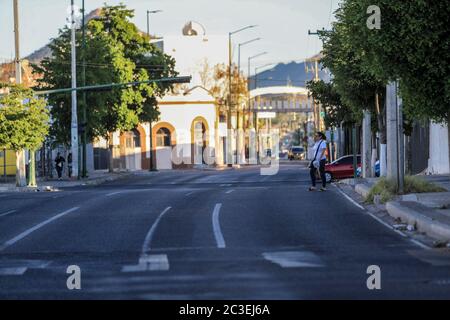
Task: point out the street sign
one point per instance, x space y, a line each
267 115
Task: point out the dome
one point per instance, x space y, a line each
193 28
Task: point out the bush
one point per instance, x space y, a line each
386 190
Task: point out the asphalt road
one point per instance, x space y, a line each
231 234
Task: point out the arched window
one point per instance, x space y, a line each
163 138
133 139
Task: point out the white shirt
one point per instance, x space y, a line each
323 146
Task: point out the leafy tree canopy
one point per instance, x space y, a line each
115 52
24 119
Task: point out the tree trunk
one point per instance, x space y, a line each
374 154
21 179
111 149
381 116
32 170
408 152
366 145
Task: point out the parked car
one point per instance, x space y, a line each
377 169
341 168
296 153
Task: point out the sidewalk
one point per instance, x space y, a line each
95 178
427 213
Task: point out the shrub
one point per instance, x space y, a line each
386 189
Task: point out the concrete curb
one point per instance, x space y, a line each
46 186
433 200
18 189
424 219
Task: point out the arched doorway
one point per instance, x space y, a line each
199 140
133 159
163 141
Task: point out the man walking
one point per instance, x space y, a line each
59 165
319 161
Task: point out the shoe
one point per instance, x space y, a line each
323 189
312 189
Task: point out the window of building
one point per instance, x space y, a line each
133 139
163 138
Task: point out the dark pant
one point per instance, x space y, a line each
59 170
313 171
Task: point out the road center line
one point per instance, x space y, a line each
7 212
230 191
216 227
148 239
36 227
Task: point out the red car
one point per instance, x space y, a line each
341 168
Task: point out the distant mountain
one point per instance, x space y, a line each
294 74
40 54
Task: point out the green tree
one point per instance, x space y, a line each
358 88
413 47
24 122
329 98
116 52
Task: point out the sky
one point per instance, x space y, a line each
282 24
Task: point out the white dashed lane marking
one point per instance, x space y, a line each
216 227
27 232
7 213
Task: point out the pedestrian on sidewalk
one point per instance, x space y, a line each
319 161
59 165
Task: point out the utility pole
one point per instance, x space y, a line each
74 119
152 168
83 81
317 119
20 156
17 62
392 133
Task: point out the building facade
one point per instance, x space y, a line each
187 132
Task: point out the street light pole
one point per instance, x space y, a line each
230 102
240 154
239 50
151 122
255 112
74 119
